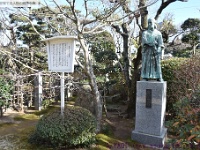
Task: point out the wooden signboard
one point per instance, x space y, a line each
61 53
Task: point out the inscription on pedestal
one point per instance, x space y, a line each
148 98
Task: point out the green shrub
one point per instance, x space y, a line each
182 53
76 128
46 103
6 86
185 126
169 69
183 78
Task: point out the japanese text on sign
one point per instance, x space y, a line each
18 3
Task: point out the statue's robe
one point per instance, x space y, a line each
152 45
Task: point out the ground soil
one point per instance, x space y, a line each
14 126
121 126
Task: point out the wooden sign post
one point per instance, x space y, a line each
61 56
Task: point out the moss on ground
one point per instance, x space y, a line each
4 125
23 117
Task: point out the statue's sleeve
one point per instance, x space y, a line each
160 46
144 38
160 41
144 41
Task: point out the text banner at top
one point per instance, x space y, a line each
19 3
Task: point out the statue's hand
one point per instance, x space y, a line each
159 51
150 44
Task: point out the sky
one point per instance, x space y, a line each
181 11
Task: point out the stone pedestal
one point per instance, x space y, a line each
150 113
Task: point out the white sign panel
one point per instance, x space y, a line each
61 53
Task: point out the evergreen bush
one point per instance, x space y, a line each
75 128
6 87
183 78
169 67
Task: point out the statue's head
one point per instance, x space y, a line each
151 24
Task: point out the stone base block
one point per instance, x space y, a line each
150 140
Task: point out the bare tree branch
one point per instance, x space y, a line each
61 10
163 5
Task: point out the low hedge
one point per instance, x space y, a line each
75 128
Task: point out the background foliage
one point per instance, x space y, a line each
6 87
183 78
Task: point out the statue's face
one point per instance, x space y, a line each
151 24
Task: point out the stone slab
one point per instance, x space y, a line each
150 120
150 140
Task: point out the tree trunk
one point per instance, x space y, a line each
136 77
1 111
194 49
92 81
127 71
98 100
144 14
137 61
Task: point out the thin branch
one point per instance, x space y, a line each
172 43
86 8
54 28
135 14
163 5
100 26
6 53
79 63
31 23
101 17
72 7
61 11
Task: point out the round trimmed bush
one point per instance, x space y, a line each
75 128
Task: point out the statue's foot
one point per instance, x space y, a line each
160 79
144 79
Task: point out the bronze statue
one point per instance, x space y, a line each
152 46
